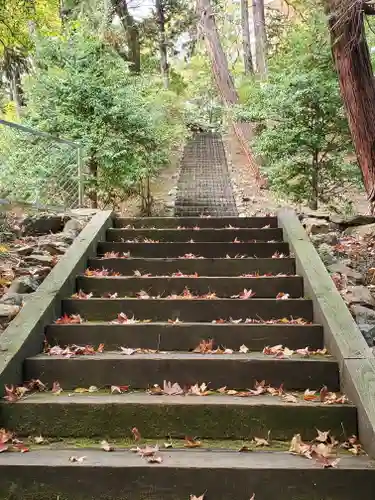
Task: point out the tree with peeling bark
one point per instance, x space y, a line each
160 14
357 85
246 43
131 29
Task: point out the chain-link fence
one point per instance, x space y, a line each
39 169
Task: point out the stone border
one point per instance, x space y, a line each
341 334
25 334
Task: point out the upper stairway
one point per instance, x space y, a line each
199 302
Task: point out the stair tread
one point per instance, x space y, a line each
190 356
141 398
197 459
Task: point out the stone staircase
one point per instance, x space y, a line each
199 435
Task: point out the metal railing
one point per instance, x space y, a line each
58 185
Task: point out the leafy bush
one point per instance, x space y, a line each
82 90
304 139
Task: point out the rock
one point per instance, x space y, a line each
316 226
315 214
353 277
328 238
15 299
24 284
363 314
8 311
73 226
368 332
326 254
361 231
43 224
358 294
54 248
36 259
25 250
354 220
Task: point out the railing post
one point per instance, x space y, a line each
80 177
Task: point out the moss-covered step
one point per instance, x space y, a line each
143 370
210 417
218 249
202 235
262 287
203 267
46 474
186 336
191 222
189 310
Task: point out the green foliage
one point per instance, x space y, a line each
82 90
304 138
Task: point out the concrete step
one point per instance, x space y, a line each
211 417
190 222
163 250
223 287
201 235
141 371
189 310
204 267
221 474
186 336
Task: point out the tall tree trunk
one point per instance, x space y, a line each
260 36
218 58
164 67
246 43
132 34
353 64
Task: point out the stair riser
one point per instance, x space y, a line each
157 421
189 310
223 287
163 250
204 267
183 337
190 222
143 372
87 481
203 235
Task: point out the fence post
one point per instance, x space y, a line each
80 177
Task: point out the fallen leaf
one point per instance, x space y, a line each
127 351
38 439
72 319
148 451
244 349
154 460
260 442
282 296
309 395
93 388
106 446
119 389
74 458
192 442
322 436
193 497
136 434
298 447
56 388
172 389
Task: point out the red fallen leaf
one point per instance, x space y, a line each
192 442
205 346
12 394
82 295
100 348
3 447
5 436
72 319
21 447
190 256
282 296
119 389
219 321
309 395
56 388
122 318
136 434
